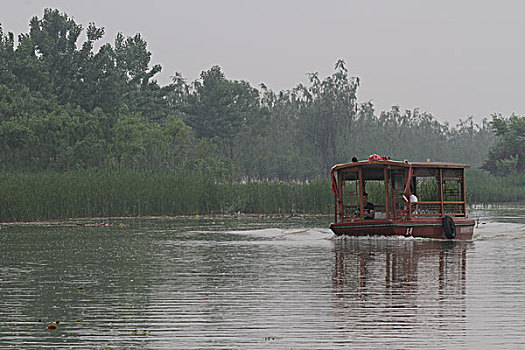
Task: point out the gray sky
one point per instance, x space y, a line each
451 58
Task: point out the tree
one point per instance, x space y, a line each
54 38
221 108
507 155
131 141
331 106
7 58
178 137
65 106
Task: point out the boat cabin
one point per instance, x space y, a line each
399 190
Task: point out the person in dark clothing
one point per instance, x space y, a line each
368 207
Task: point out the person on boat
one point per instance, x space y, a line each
413 201
368 208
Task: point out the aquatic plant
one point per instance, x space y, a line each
54 195
481 187
88 193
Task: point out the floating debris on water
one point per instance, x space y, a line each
53 326
272 338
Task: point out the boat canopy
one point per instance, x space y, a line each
396 163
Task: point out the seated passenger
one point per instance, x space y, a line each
368 207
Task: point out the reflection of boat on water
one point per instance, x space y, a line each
405 263
398 289
413 199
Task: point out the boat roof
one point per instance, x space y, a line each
396 163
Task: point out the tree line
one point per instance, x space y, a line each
66 106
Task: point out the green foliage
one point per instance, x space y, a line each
53 195
507 155
6 57
221 108
50 195
427 190
72 107
482 187
331 106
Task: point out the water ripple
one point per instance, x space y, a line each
164 288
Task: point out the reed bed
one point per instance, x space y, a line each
484 188
80 194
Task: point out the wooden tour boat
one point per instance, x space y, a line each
410 199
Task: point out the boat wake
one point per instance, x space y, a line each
499 231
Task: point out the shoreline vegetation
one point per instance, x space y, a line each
49 195
87 131
53 195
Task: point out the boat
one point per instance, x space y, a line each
420 199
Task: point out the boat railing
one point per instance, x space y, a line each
435 208
349 211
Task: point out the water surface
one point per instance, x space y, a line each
259 283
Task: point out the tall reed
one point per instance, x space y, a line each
482 187
75 194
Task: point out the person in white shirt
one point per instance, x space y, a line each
413 199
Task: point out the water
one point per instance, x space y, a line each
259 283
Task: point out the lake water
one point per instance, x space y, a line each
259 283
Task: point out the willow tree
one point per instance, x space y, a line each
331 107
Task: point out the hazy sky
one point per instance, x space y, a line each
451 58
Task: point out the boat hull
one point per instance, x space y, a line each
417 227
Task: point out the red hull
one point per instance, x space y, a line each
417 227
